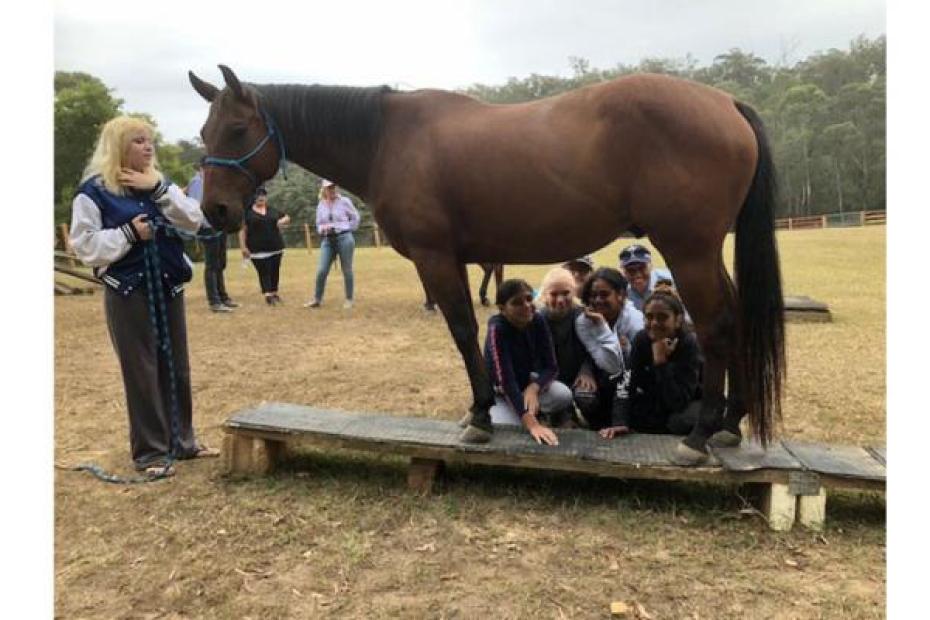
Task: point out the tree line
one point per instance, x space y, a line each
825 117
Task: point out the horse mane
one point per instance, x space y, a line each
326 117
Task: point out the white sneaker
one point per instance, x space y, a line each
347 305
312 304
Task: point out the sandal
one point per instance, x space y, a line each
203 452
159 470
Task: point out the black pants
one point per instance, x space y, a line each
268 270
145 374
214 258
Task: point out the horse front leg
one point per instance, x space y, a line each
447 282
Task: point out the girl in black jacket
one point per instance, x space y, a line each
661 391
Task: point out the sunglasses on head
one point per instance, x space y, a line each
638 252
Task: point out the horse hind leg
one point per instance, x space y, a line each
447 281
729 434
709 299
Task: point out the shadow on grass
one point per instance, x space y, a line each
358 475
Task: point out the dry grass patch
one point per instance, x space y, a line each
337 535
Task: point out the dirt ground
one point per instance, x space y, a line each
337 535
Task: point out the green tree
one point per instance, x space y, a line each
82 105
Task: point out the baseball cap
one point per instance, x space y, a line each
326 183
634 254
584 260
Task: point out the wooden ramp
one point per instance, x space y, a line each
793 476
801 309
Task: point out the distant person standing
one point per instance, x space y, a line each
214 254
261 241
336 218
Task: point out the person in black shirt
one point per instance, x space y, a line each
261 241
662 390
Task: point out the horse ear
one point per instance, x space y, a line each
207 91
232 81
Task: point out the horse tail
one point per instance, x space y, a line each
758 282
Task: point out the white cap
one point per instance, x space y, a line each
327 183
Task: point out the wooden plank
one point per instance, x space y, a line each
834 460
750 456
78 274
635 456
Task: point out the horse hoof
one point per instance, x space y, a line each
686 456
466 420
725 439
473 434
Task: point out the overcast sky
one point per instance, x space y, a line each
145 55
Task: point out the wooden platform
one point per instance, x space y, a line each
793 476
800 308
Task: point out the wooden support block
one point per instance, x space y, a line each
268 455
812 510
238 452
778 506
423 473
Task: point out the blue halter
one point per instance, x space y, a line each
239 164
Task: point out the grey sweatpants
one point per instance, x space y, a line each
556 397
145 375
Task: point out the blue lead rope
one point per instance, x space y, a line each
158 316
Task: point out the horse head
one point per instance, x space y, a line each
241 152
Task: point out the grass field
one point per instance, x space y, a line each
337 535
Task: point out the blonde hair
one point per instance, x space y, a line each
322 194
557 275
111 149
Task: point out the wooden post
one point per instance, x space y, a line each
778 506
423 473
307 238
790 223
377 236
66 243
823 221
812 510
237 454
862 218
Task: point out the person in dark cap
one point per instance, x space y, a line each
636 265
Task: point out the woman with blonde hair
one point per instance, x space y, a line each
122 219
336 218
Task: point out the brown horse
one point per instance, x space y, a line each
452 180
489 269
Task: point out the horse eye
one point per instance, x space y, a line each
238 130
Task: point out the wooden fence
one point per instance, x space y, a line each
832 220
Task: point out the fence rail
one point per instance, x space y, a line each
832 220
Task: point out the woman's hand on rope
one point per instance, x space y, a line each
143 228
145 181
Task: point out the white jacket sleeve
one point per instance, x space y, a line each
601 343
181 210
94 245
